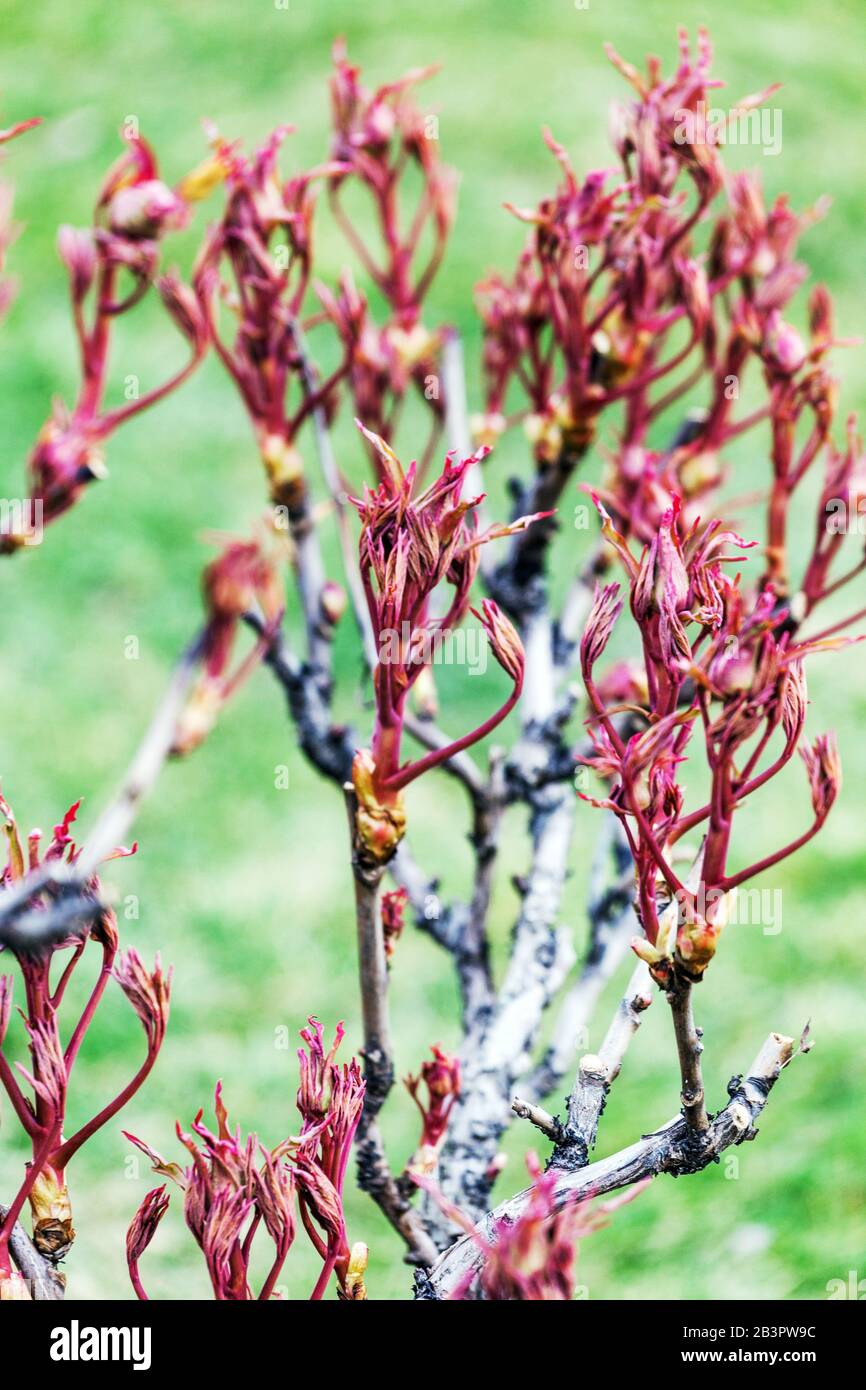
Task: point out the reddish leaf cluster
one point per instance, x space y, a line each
235 1185
409 546
257 262
42 1117
717 660
242 579
441 1081
379 139
134 211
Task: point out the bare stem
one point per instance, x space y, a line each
374 1173
548 1124
112 826
597 1072
689 1049
334 484
23 926
612 924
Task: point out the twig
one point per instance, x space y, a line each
518 582
373 970
334 484
689 1049
456 410
24 929
612 924
548 1124
112 826
374 1172
457 426
472 947
329 747
597 1072
458 927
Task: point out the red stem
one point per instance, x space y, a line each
26 1118
113 418
273 1276
136 1282
324 1278
108 954
59 992
71 1146
440 755
728 883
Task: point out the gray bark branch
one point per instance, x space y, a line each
670 1149
44 1282
374 1172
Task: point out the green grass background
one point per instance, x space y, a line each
246 888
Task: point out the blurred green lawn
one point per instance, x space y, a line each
246 888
